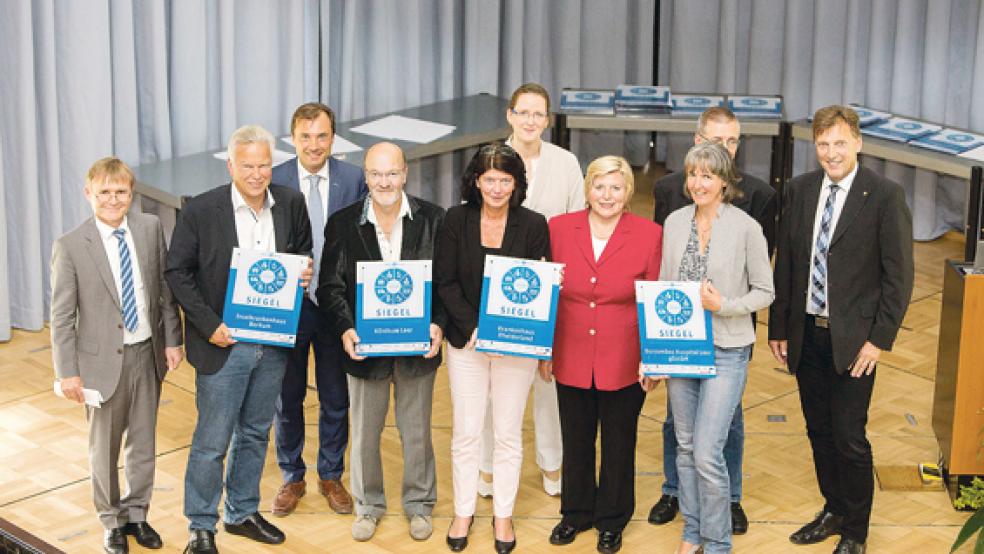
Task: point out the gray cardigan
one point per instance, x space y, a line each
738 265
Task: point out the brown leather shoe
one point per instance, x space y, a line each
287 498
339 499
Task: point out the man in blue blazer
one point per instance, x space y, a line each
328 185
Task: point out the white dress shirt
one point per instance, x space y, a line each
302 176
844 186
254 230
390 247
112 246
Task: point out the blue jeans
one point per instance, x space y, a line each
734 450
235 412
703 410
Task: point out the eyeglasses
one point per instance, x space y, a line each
107 195
390 175
730 143
492 181
537 117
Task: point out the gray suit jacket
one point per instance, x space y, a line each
86 320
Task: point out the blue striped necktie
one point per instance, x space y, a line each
317 216
818 299
129 299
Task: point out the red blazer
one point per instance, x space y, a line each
597 335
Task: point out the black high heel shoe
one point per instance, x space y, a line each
457 544
503 547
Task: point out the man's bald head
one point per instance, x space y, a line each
386 150
386 173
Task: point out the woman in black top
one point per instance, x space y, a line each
491 221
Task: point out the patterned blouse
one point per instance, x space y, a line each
693 264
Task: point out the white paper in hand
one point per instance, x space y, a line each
93 397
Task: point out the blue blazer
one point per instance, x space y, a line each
346 182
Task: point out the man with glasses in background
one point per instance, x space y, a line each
760 201
328 185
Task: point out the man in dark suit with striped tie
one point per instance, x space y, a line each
843 278
328 185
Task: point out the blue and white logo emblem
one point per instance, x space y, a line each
267 276
393 286
674 307
696 101
753 102
587 96
521 285
908 126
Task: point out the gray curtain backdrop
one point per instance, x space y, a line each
918 58
150 80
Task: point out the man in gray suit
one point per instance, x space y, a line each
115 329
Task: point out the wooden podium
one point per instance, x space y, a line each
958 401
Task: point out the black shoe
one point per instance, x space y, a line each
664 510
144 533
823 526
457 544
739 521
609 542
114 541
565 533
849 546
503 547
201 542
256 528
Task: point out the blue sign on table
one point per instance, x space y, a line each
519 307
263 297
393 308
675 332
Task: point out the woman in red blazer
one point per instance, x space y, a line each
596 350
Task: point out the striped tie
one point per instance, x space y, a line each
818 299
129 300
317 216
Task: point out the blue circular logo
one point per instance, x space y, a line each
908 126
267 276
643 90
394 286
587 96
753 102
960 137
695 101
521 285
673 307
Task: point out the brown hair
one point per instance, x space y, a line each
715 113
714 158
311 111
529 88
827 117
109 168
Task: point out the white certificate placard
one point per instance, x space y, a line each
393 307
675 332
519 307
263 297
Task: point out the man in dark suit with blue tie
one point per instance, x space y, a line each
328 185
843 276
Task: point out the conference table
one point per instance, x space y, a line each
921 158
478 119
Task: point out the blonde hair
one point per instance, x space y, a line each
610 164
110 169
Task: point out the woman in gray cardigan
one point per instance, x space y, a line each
713 242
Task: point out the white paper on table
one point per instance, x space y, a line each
339 145
397 127
279 156
93 397
975 154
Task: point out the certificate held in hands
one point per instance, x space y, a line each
263 298
393 308
674 331
519 307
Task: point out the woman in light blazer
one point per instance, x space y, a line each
713 242
555 186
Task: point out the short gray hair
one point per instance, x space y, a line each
250 134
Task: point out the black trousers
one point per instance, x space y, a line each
836 411
607 502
